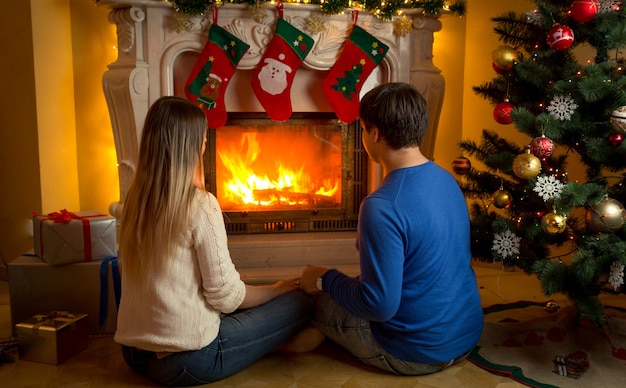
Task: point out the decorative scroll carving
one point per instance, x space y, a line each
125 19
261 37
331 40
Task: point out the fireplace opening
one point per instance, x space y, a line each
272 168
306 174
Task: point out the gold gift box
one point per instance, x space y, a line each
53 337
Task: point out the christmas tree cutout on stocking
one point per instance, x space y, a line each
361 54
274 76
212 72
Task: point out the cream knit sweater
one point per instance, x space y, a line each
179 309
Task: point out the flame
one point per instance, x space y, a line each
252 182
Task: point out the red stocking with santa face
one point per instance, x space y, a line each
361 54
274 76
212 73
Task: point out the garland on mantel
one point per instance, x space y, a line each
383 9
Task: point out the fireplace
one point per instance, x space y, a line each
286 225
307 174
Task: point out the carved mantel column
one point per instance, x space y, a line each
151 43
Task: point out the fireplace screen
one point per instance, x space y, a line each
308 173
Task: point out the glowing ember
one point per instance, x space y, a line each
280 178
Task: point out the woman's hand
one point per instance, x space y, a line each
287 285
257 295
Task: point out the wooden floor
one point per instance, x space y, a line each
101 365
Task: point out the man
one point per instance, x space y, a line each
415 308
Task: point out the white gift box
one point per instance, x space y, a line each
66 237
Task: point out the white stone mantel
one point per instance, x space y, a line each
149 45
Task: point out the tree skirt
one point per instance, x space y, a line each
538 348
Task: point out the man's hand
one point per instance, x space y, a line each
310 274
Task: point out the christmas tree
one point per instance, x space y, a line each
347 84
553 206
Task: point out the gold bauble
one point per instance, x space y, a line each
504 57
501 199
553 223
526 165
607 215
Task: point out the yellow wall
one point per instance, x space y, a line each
56 143
20 188
54 99
94 45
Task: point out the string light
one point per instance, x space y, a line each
383 10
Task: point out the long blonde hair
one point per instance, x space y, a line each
157 207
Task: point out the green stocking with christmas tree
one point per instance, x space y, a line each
361 54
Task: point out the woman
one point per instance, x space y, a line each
185 316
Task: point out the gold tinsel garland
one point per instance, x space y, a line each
258 11
383 9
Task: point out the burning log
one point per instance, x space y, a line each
285 197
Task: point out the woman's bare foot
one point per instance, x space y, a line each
305 341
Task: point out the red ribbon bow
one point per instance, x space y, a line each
62 217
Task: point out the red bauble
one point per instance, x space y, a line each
560 37
616 139
461 165
584 10
502 113
542 147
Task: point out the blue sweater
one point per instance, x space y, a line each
417 287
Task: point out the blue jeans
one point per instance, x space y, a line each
355 335
244 337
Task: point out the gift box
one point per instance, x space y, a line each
65 237
53 337
572 365
88 287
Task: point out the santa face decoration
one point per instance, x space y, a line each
273 75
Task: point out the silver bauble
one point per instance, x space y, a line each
607 215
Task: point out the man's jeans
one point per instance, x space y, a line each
244 337
355 335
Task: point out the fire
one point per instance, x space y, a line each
251 179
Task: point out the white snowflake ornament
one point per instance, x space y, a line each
609 5
548 187
506 244
616 275
562 107
534 17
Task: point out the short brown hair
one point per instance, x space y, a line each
399 111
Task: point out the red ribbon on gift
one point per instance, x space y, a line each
64 217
